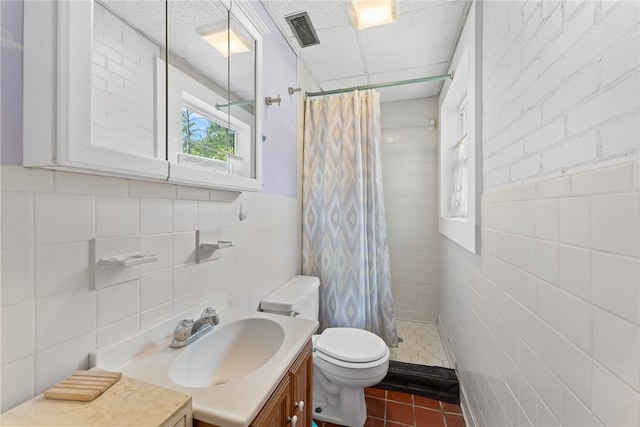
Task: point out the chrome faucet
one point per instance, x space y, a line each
188 330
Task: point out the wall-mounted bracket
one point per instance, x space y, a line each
127 260
220 244
270 101
209 245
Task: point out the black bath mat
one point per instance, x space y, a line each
433 382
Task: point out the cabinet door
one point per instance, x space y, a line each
277 410
212 85
94 99
301 374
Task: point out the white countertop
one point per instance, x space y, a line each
147 357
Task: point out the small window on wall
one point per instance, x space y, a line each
458 193
205 141
460 139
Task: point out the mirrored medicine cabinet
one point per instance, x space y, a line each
152 89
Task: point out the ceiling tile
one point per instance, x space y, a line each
419 44
416 90
344 83
409 73
400 93
323 14
337 56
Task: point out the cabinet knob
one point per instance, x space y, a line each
299 405
293 420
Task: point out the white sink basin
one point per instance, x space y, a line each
227 353
229 372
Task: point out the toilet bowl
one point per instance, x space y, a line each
345 360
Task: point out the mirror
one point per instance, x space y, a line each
128 37
198 82
242 92
211 91
158 89
194 102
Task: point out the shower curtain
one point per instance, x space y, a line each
344 236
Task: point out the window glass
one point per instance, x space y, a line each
205 137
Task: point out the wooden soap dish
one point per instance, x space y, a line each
83 385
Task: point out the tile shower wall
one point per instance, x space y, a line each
52 316
409 169
544 322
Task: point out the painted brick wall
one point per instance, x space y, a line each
409 173
544 323
48 221
123 84
560 88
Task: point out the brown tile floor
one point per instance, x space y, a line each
397 409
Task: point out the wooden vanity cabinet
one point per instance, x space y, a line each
277 411
292 397
301 376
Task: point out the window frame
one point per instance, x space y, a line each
466 88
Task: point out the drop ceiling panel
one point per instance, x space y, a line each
147 16
409 73
338 54
418 39
418 90
407 6
407 57
344 83
399 93
323 14
419 44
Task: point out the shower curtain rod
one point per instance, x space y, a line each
381 85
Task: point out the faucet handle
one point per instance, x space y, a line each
212 313
183 330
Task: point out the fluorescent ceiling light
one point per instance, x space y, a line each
369 13
226 42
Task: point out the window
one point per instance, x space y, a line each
460 140
202 136
205 137
458 206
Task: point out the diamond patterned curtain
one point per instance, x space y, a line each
344 237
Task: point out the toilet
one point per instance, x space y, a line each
345 360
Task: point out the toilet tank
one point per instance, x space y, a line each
299 297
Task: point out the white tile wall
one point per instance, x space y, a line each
17 275
61 268
409 169
52 314
61 218
17 220
575 319
117 216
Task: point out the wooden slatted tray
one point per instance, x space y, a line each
84 386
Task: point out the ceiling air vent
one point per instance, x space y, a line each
303 29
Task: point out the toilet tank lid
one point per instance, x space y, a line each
291 295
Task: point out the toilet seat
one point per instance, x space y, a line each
351 348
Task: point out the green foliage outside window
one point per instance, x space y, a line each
205 138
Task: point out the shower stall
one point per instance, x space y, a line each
410 179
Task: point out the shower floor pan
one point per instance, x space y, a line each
419 365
